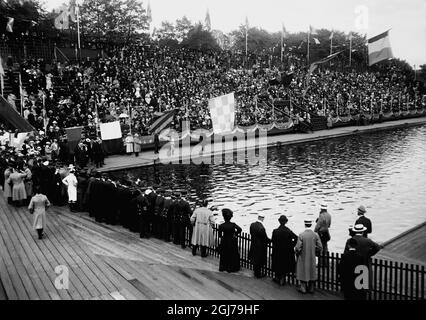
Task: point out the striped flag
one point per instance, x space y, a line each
379 48
162 122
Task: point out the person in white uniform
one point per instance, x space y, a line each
71 182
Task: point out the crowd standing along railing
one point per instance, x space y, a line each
389 280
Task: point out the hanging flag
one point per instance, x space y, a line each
66 13
162 122
300 45
284 33
316 41
9 26
331 35
207 21
222 113
349 37
312 30
379 48
62 21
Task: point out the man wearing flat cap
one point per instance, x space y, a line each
364 220
283 243
307 248
259 246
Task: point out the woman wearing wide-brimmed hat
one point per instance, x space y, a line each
228 246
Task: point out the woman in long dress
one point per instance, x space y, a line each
228 247
38 205
28 182
7 189
71 182
18 189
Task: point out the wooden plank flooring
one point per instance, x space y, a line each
27 265
111 263
408 247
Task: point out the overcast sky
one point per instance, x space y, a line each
406 18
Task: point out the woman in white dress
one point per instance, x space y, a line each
71 182
38 205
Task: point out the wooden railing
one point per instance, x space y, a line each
390 280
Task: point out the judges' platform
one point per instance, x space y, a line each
111 263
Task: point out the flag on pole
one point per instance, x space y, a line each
317 41
349 36
379 48
312 30
222 113
247 27
66 13
331 35
9 26
207 21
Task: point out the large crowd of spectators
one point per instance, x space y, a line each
146 80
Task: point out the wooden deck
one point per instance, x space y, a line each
408 247
111 263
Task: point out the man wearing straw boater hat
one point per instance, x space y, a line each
365 246
307 248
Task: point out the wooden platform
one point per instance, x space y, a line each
408 247
111 263
148 158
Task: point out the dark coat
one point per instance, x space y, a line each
283 243
259 244
366 223
228 247
366 248
346 271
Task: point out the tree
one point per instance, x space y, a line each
200 39
422 73
113 19
257 39
27 15
167 31
182 28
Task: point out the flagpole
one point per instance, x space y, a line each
309 34
78 30
350 50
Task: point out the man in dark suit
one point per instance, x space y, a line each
365 246
156 143
142 205
283 243
181 218
346 270
259 246
364 221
